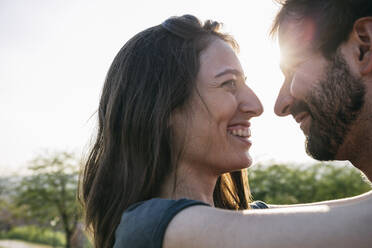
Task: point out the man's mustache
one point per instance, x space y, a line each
298 107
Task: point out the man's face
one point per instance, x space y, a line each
321 94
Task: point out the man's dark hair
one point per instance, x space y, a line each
333 19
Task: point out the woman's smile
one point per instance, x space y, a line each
241 133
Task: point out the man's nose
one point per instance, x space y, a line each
283 101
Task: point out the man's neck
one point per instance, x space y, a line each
362 154
357 146
365 165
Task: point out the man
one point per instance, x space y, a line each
326 48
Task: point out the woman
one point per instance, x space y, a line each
171 150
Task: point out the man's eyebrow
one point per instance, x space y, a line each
229 71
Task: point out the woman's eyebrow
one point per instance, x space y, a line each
229 71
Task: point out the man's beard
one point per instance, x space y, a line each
334 105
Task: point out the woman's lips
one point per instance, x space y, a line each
240 132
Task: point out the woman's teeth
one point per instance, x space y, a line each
246 132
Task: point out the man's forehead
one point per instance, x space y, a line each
296 39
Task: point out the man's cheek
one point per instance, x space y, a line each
301 85
306 78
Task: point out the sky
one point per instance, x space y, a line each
54 55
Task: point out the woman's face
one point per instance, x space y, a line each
215 124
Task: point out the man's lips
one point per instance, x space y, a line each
301 116
303 120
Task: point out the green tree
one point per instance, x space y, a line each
3 188
9 212
289 184
49 193
5 214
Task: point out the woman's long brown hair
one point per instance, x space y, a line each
151 76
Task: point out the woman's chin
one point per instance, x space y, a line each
248 160
243 163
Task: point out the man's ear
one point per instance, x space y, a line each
363 35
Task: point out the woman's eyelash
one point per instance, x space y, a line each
230 83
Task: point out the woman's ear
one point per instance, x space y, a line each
363 36
175 118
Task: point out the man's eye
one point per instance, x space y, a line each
289 76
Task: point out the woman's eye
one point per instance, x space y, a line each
231 84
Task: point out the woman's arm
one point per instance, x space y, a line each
344 225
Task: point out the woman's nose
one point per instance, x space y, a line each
251 104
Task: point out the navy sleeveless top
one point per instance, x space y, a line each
143 224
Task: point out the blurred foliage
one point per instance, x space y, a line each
289 184
49 193
10 213
3 187
35 234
